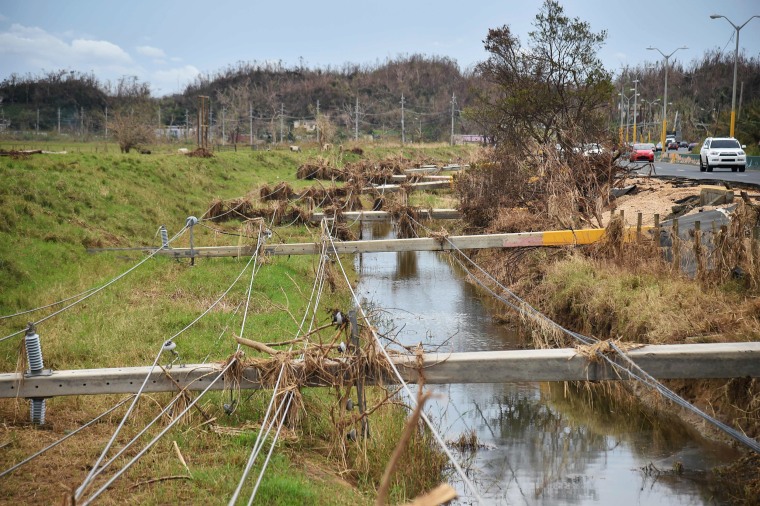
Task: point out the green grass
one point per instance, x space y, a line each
52 207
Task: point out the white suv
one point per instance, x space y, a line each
722 152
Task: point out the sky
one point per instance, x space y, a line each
168 43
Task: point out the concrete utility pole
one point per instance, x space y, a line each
187 125
356 121
81 120
736 61
453 103
282 115
250 123
316 120
665 97
59 119
224 137
635 106
37 127
403 133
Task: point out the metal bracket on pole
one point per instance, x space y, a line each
190 223
359 377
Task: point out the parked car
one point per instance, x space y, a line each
722 152
642 152
658 147
673 146
683 144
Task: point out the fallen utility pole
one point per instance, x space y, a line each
677 361
391 188
464 242
424 214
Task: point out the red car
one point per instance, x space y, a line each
642 153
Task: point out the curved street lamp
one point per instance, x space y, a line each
736 58
665 98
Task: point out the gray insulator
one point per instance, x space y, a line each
34 352
169 345
164 237
191 221
351 435
349 404
342 347
37 411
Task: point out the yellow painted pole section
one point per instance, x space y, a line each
733 117
585 236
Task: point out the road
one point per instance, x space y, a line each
692 172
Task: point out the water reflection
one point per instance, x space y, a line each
544 443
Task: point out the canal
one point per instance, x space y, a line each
538 443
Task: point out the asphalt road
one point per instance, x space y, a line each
692 172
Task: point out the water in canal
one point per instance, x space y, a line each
540 443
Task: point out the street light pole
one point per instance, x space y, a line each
736 60
627 115
635 104
665 98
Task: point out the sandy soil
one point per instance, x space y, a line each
658 196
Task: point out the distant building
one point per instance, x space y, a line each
469 139
309 125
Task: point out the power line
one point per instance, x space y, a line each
396 372
99 289
88 479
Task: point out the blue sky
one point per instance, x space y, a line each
169 42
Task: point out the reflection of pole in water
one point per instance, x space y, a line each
406 265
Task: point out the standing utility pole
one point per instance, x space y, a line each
665 98
403 132
453 103
224 137
316 120
282 113
59 119
37 126
356 121
187 125
203 121
635 106
250 123
736 61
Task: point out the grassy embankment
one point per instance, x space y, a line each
51 208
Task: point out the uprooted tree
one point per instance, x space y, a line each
544 104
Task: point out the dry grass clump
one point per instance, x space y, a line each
200 153
643 304
562 189
736 251
319 168
405 219
281 191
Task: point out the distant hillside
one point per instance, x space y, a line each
270 92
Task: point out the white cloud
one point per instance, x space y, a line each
151 52
31 49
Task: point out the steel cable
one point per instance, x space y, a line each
102 287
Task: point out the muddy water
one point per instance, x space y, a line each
538 443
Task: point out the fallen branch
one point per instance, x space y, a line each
257 346
441 494
411 424
165 478
181 458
